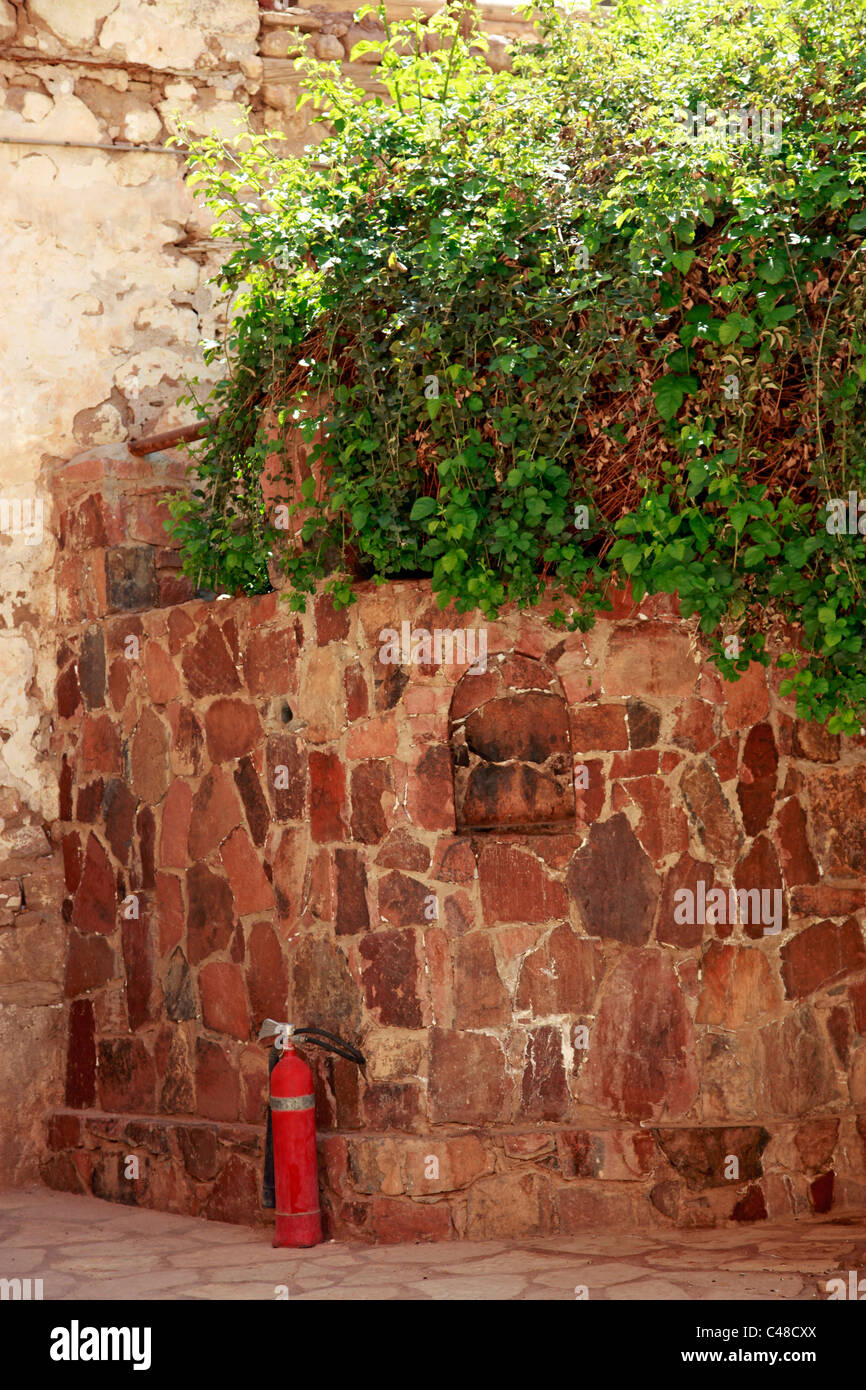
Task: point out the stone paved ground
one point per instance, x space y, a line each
83 1248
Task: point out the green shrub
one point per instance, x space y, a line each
522 294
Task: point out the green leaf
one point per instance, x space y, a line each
423 507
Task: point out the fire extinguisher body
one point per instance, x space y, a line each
293 1117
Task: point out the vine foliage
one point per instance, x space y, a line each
540 338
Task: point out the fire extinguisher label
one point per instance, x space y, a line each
292 1102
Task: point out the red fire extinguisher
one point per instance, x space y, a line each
293 1126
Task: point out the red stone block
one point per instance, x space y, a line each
67 693
217 1085
352 914
287 777
81 1056
431 790
685 874
544 1094
797 860
529 727
255 803
613 883
163 680
149 756
328 814
561 976
837 801
118 808
65 789
751 1207
269 661
403 900
216 811
812 741
170 911
251 889
819 954
725 755
454 861
641 762
370 782
760 870
756 791
471 692
180 626
717 829
663 828
695 726
826 900
821 1193
71 860
223 1000
375 739
357 697
390 977
641 1063
858 1000
516 888
598 726
747 700
650 659
332 624
210 914
468 1082
401 851
208 665
267 980
481 1000
64 1132
89 964
176 814
126 1076
100 746
797 1066
232 728
289 868
96 899
138 960
396 1221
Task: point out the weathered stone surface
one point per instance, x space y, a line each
813 741
508 1206
177 1094
644 722
650 659
390 977
717 829
756 790
617 1155
328 812
431 790
401 851
67 693
232 728
176 814
837 798
143 875
163 680
798 1067
544 1092
352 913
149 756
614 884
210 913
100 746
178 989
208 666
750 1207
370 783
514 795
287 777
516 888
662 828
759 874
702 1155
81 1056
480 998
223 999
130 572
819 954
118 810
126 1077
672 926
216 1082
322 988
641 1060
198 1147
747 699
403 900
468 1079
250 886
216 812
138 961
89 964
95 906
798 862
187 741
91 668
737 986
599 726
529 727
561 976
255 803
323 690
267 978
695 726
269 661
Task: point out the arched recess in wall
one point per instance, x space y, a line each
511 749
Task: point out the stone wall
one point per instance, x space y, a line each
258 818
107 261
